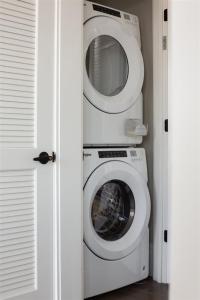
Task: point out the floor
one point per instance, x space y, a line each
145 290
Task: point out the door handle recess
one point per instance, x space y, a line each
44 158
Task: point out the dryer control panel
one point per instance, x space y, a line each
115 13
93 9
107 10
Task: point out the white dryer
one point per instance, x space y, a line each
113 76
116 209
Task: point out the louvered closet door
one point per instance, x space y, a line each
26 129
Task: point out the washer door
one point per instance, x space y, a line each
116 210
114 68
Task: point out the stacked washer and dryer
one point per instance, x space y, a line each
116 198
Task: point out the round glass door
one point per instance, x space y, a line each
113 71
107 65
113 210
116 210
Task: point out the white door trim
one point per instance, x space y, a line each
68 210
159 145
56 207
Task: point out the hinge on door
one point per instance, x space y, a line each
165 236
166 125
164 42
165 15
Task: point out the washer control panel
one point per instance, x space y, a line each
112 154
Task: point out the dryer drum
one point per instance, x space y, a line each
107 65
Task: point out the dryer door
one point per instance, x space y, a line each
113 69
116 210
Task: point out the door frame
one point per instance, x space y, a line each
69 31
160 144
68 221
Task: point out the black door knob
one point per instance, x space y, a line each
44 158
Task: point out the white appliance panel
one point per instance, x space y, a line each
113 76
112 259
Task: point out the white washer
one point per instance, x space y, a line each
116 209
113 75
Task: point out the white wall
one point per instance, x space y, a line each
184 141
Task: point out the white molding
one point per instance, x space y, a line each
56 209
165 154
159 143
69 150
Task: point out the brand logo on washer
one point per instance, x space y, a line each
87 154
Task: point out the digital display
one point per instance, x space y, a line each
112 154
107 10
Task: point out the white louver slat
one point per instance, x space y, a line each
17 232
17 72
27 76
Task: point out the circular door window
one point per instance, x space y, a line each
113 210
116 210
107 65
113 69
